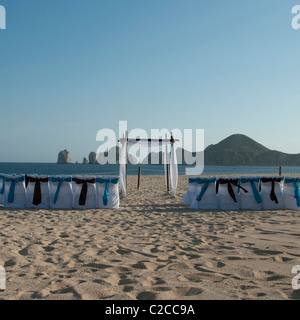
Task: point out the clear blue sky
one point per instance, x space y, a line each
71 67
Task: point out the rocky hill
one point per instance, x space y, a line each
239 150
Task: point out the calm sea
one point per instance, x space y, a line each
92 169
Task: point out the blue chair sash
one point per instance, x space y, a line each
296 188
205 182
107 182
11 192
60 181
192 180
3 185
253 186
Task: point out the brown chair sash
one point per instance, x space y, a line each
230 182
37 194
84 188
272 193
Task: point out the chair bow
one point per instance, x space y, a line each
272 193
60 181
84 188
193 180
107 182
11 192
229 183
205 182
296 188
253 187
37 193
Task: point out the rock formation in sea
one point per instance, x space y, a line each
64 157
93 158
85 161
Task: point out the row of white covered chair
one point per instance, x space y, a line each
59 192
243 193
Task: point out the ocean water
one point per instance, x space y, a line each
94 169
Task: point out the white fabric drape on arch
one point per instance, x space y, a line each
123 161
173 169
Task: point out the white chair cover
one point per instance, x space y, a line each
81 201
224 186
107 190
250 200
15 192
271 193
291 194
205 196
61 192
191 191
32 184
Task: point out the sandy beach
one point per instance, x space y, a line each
153 247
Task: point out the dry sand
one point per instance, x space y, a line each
153 247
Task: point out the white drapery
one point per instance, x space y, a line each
142 143
123 162
173 169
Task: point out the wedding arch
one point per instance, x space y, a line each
171 174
